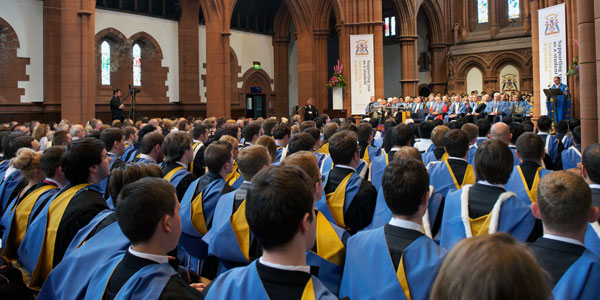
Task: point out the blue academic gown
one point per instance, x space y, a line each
327 165
471 154
147 283
515 218
377 167
581 280
369 272
571 157
8 186
178 176
567 141
129 149
4 166
562 104
516 160
442 178
551 146
69 280
245 283
352 188
517 184
592 238
104 182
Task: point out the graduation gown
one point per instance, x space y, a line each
370 153
510 215
581 280
471 154
518 185
129 149
442 178
8 187
378 165
551 146
179 177
562 105
281 153
516 160
4 163
369 272
430 157
571 157
592 238
245 283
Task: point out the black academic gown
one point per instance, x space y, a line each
199 162
183 184
555 256
115 112
397 239
310 112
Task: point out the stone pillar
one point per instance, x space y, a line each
588 56
408 48
493 17
535 56
189 62
306 74
322 71
439 73
52 51
526 17
218 92
280 51
78 89
465 19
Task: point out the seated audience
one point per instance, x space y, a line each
455 172
571 156
178 151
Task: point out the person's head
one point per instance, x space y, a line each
145 130
268 125
77 132
365 132
407 152
405 185
117 92
280 209
281 132
456 143
234 145
309 101
329 130
562 127
21 142
590 161
530 147
343 148
148 213
500 131
152 145
61 138
425 128
200 133
437 136
39 131
484 127
130 134
301 142
493 162
576 135
218 157
114 140
120 177
85 161
544 123
28 162
491 267
316 134
402 135
251 160
177 146
6 140
50 164
269 143
251 132
307 161
564 204
471 130
516 130
556 80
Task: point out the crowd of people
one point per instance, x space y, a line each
459 205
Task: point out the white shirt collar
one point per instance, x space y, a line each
305 269
457 158
481 138
182 164
395 149
594 186
60 186
542 133
147 157
346 167
563 239
485 182
10 171
159 259
406 224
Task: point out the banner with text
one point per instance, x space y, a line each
552 30
362 73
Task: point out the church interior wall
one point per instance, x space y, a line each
392 70
250 47
423 54
293 71
26 19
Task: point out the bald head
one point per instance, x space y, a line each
500 131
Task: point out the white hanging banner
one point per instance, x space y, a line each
362 71
552 29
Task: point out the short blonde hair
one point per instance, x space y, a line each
490 267
437 135
305 160
269 143
407 152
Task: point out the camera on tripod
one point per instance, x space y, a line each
134 90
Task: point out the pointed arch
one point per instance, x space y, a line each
434 17
472 61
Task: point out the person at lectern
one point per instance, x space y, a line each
310 111
562 105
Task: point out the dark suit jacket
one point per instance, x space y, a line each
310 113
555 256
115 112
360 212
397 239
199 162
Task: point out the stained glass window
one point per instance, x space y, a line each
393 25
105 53
137 65
482 11
513 9
390 26
387 26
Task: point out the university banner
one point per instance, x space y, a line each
362 71
553 48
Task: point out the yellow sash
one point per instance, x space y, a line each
329 245
198 215
444 157
55 213
242 230
366 156
191 165
324 149
309 291
170 175
402 278
233 173
335 201
531 192
480 225
19 222
469 177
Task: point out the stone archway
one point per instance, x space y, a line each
9 43
259 78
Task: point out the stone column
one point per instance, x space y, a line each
588 50
408 48
78 89
189 61
439 73
306 76
52 51
465 19
280 51
535 56
218 93
493 17
322 71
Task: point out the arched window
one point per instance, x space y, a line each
514 10
137 65
105 53
474 80
482 11
390 26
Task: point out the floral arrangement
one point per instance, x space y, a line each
574 67
337 80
